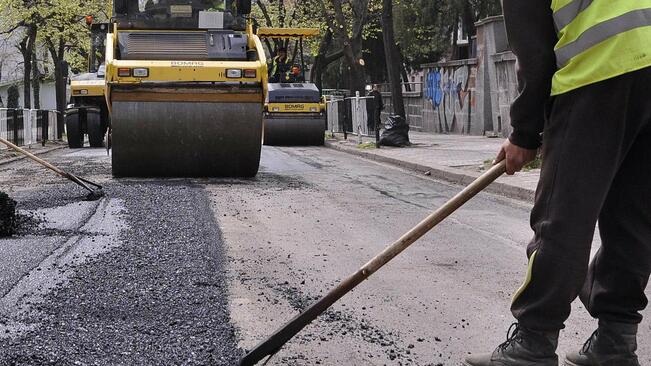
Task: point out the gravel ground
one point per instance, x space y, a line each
314 216
193 272
156 296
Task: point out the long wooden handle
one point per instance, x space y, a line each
272 344
35 158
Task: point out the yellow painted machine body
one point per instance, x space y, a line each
169 73
179 111
288 33
295 108
87 88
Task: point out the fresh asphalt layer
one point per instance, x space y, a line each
196 271
136 278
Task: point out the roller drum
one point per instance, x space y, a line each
304 130
186 139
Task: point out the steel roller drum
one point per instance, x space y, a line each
186 139
299 130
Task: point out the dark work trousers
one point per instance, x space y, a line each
597 166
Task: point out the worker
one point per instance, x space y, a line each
378 106
594 59
295 75
280 66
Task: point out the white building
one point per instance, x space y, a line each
11 73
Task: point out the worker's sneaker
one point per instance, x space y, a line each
523 347
612 344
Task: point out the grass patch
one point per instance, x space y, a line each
367 146
488 163
535 164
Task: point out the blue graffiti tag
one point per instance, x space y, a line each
433 92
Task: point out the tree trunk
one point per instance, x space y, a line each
26 47
57 53
281 13
267 17
1 103
321 60
393 59
403 69
352 46
36 82
455 37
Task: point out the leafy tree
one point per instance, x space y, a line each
56 25
350 36
342 27
425 29
66 37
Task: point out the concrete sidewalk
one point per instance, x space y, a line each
8 155
454 158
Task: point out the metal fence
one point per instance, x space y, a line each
347 115
354 115
26 127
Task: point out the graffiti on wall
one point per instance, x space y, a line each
450 90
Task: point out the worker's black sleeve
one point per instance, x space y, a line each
532 36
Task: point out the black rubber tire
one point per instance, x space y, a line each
94 128
73 130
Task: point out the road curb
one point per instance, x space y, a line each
40 152
448 174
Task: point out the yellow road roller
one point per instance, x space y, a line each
185 86
87 113
294 114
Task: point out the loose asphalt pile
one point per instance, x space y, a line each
158 299
7 215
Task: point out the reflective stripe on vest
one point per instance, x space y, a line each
567 13
600 39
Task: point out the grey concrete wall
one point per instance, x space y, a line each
506 90
473 96
413 108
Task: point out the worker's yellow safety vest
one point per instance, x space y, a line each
599 39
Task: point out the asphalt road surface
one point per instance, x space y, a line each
195 272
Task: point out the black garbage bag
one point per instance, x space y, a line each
7 215
396 132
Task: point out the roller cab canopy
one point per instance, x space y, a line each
288 33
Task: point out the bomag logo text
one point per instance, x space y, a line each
294 107
187 64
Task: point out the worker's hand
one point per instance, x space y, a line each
516 157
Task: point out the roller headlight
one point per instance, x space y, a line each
234 73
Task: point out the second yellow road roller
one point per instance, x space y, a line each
87 112
294 113
186 83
